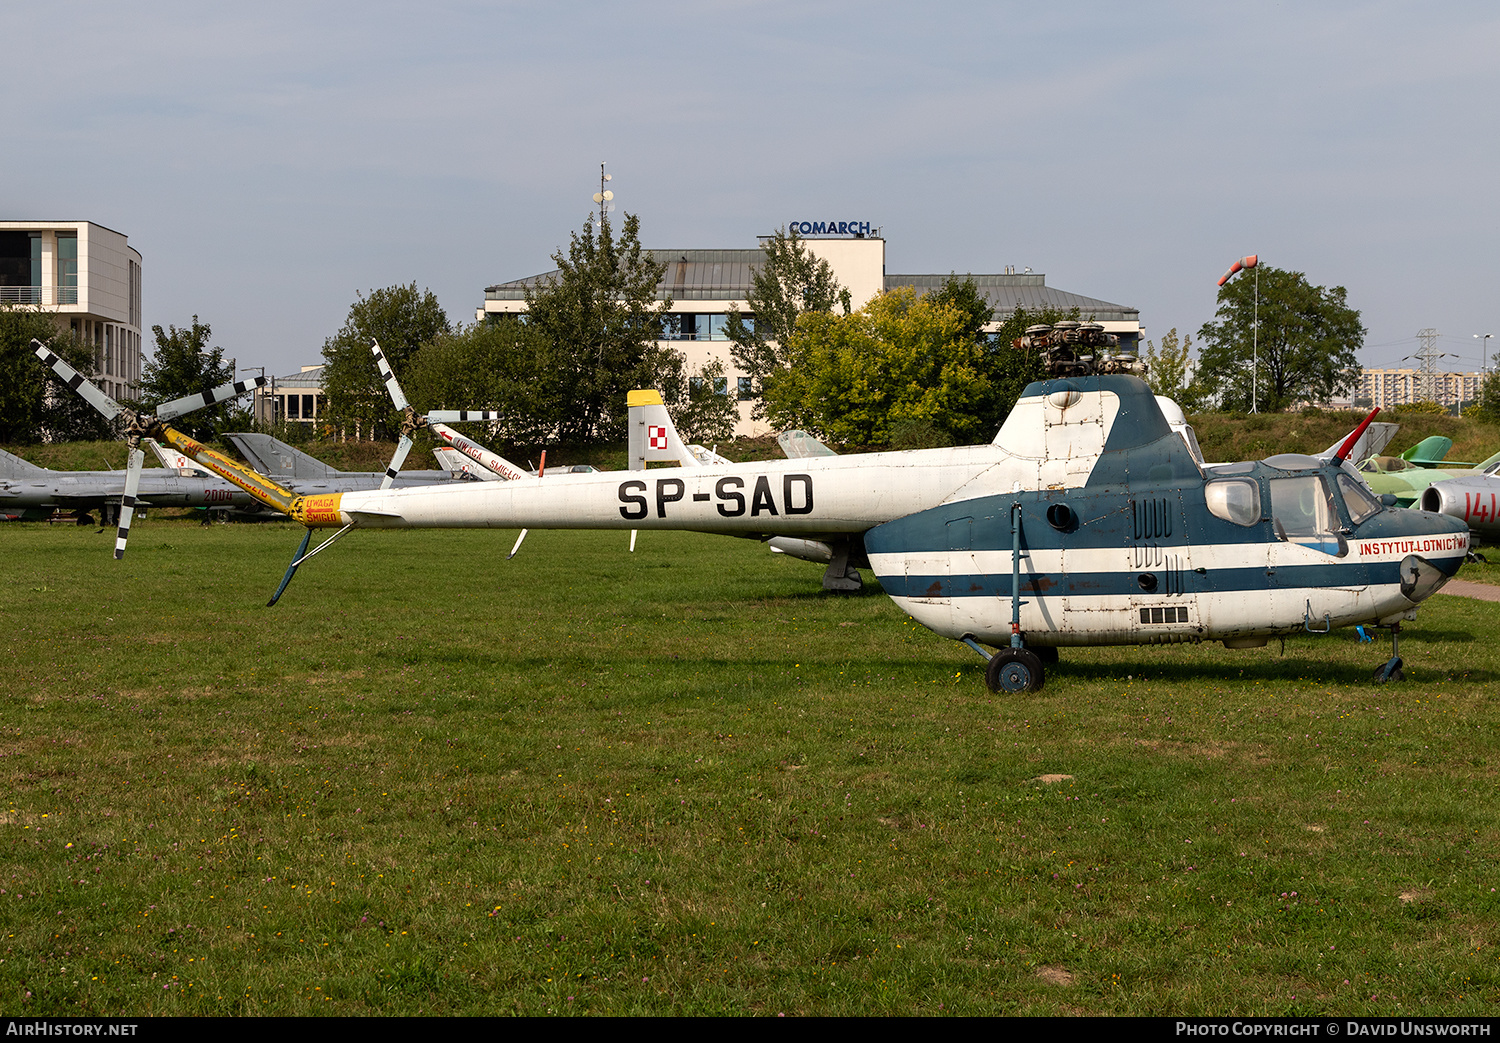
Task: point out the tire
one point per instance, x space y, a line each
1014 670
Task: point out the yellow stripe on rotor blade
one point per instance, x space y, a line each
257 485
319 512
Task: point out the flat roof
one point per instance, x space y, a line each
716 275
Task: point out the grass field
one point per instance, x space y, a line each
685 781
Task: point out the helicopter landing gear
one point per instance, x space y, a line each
1014 670
1391 670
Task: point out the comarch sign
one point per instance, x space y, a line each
860 228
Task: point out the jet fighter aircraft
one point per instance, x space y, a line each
31 492
1472 498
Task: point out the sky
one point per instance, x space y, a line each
273 161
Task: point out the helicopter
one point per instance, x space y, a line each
1086 521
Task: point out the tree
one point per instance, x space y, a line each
1166 370
489 365
1307 343
901 361
34 405
184 363
1488 406
402 319
789 282
702 408
599 320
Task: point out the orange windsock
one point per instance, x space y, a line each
1240 265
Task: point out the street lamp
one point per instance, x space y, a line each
1484 353
1252 261
260 410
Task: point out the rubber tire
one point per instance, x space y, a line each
1396 674
1014 670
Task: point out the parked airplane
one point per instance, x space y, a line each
305 474
1407 476
1087 521
1472 498
30 492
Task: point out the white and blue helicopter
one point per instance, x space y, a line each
1086 521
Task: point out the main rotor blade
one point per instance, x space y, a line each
186 404
393 388
402 448
458 416
77 381
127 505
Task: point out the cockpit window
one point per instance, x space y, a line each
1302 511
1357 499
1235 500
1302 506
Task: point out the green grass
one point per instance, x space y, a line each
685 781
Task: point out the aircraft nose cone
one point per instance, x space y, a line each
1420 579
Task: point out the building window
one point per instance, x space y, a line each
67 268
747 389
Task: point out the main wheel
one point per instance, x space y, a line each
1014 670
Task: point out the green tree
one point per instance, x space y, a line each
899 363
34 405
183 363
488 365
1166 369
402 319
1307 343
599 320
789 282
1488 405
702 406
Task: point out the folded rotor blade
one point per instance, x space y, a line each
473 450
77 381
178 406
127 505
458 416
402 448
393 388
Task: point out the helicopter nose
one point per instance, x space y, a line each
1420 578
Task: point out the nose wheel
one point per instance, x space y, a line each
1391 670
1014 670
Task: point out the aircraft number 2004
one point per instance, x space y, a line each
730 496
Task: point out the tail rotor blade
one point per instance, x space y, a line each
178 406
391 386
402 448
127 504
77 381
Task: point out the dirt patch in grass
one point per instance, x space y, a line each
1055 975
